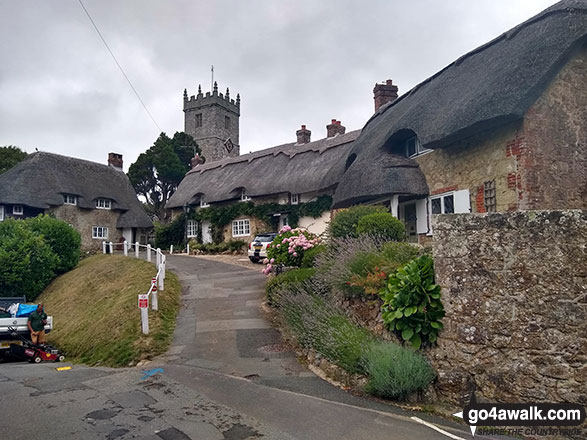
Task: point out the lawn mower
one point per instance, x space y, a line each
33 352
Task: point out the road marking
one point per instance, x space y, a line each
63 368
436 428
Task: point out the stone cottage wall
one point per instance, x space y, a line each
515 293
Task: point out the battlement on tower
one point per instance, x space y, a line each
211 98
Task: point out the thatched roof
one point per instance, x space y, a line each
42 178
489 86
286 168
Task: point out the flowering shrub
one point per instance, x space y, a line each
370 284
288 247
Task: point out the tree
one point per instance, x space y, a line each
157 172
10 156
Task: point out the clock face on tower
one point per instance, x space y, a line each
228 145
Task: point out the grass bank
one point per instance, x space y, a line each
95 315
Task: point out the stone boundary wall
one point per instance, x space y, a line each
515 292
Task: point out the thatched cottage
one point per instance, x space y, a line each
503 128
287 175
97 200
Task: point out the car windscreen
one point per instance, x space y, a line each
264 238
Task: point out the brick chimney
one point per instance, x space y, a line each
115 160
384 93
334 129
303 135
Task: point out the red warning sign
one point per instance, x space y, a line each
143 301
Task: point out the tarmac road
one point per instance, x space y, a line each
226 376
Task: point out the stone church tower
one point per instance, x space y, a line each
212 120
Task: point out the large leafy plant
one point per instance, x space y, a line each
411 302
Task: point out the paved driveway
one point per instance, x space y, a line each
225 376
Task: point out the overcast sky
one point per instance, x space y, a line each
293 63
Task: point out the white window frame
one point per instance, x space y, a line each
295 199
17 210
1 213
241 228
69 199
192 228
204 203
442 206
244 196
103 203
419 149
100 232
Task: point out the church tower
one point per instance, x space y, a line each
212 120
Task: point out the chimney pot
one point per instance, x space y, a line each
303 135
115 160
384 93
334 129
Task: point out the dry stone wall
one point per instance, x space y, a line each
515 293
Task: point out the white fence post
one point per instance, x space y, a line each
137 249
145 320
125 249
171 250
149 253
162 276
103 247
187 251
154 294
158 258
110 247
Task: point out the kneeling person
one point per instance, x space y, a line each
36 324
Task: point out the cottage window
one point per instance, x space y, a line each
100 232
443 204
69 199
203 202
1 213
192 228
295 199
244 196
103 203
241 228
489 196
198 120
413 147
17 210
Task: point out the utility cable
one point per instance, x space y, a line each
119 66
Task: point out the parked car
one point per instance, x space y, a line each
258 247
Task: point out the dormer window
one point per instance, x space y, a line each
295 199
244 196
413 147
103 204
203 202
17 210
69 199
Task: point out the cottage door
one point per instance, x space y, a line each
410 222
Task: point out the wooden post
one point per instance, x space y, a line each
162 276
145 320
149 253
187 251
103 247
125 249
111 247
158 255
171 250
137 249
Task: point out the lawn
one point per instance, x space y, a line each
96 318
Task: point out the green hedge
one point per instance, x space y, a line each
382 224
27 262
344 223
63 240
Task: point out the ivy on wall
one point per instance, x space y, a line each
220 216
